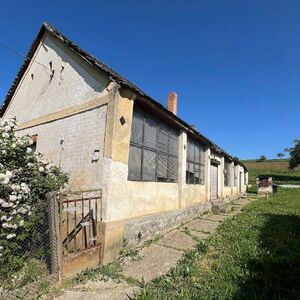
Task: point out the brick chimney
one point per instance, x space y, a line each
172 102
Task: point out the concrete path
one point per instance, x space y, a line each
153 260
290 186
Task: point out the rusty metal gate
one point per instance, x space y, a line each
80 221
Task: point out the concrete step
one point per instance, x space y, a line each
221 207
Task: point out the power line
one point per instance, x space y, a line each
24 56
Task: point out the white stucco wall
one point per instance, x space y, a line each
82 134
74 82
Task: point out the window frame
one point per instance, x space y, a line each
172 133
200 163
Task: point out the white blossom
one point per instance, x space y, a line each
10 236
13 198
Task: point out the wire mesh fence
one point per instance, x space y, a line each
30 268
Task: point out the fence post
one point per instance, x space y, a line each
54 235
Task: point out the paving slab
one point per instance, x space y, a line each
205 226
178 240
216 218
241 201
199 235
155 260
100 290
233 213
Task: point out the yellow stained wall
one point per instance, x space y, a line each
151 197
227 191
193 194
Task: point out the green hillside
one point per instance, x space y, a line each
276 168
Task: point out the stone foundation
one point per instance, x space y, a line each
138 230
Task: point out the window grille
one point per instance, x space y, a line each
153 154
195 167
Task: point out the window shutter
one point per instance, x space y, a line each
173 145
162 167
137 128
163 139
150 134
173 169
149 165
135 159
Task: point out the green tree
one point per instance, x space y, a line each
280 155
262 158
294 153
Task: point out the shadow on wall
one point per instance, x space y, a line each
276 274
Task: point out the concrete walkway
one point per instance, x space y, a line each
290 186
153 260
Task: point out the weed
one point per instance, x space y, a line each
153 241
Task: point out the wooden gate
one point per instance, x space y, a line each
80 219
213 181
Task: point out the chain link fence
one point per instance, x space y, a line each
31 268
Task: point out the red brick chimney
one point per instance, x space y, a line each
172 102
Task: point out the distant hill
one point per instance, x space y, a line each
276 168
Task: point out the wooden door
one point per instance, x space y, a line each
213 182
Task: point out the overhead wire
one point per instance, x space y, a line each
24 56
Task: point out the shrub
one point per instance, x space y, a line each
25 179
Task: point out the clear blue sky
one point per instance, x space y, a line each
234 64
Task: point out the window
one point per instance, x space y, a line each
227 173
34 142
153 154
195 165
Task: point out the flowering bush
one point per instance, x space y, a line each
25 179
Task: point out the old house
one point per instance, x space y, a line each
153 169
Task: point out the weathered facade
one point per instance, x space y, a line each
154 170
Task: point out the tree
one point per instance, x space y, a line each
294 155
280 155
25 179
262 158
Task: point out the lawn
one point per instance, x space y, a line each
277 169
254 255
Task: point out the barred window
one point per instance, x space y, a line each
227 172
195 165
153 154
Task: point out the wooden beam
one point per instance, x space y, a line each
66 112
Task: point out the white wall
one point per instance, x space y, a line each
38 96
82 133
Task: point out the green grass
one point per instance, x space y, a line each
277 169
254 255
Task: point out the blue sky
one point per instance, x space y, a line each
235 65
